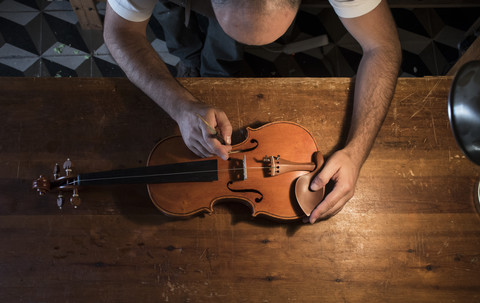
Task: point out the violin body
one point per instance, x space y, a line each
243 178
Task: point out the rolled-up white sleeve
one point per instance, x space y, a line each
353 8
133 10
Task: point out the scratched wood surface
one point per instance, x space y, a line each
410 234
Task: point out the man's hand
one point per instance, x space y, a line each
129 46
342 170
200 137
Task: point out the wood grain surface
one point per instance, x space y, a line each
410 234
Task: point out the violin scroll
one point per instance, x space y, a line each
60 183
41 185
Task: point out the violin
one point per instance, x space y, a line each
270 171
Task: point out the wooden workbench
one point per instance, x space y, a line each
410 234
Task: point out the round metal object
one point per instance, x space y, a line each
464 109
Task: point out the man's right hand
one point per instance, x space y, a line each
129 46
199 137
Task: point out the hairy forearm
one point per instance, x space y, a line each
146 70
374 88
127 43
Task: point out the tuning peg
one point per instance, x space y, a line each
67 166
60 200
75 199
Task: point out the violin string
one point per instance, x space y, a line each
76 181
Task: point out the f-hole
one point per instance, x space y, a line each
257 199
246 149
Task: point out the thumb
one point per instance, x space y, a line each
225 127
323 177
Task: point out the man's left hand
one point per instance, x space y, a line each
342 170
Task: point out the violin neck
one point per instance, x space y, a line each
195 171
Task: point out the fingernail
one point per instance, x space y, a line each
228 140
315 186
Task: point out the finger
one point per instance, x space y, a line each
199 149
224 125
196 151
220 149
324 217
324 176
336 210
328 203
334 200
330 213
207 132
333 211
332 203
212 144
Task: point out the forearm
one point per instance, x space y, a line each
374 88
146 70
127 43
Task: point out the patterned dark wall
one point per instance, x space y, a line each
44 39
